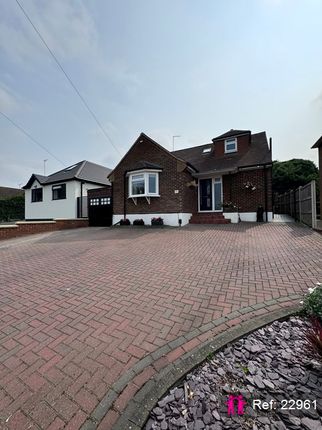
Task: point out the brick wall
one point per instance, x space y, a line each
247 200
26 228
173 177
100 192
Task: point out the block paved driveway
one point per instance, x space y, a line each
79 307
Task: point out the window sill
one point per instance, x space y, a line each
144 195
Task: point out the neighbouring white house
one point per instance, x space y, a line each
63 194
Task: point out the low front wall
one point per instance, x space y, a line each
171 219
22 228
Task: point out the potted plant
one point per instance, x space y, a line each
138 222
157 221
125 221
230 207
249 186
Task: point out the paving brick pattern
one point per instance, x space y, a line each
79 308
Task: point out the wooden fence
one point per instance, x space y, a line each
300 204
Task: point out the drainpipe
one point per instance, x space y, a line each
265 187
81 201
124 193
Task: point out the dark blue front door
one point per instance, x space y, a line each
205 194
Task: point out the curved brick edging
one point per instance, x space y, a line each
129 402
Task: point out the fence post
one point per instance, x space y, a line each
313 203
300 204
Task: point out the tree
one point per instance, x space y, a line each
291 174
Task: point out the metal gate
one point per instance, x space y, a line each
100 211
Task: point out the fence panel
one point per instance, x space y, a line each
300 204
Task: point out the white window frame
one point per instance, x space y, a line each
229 142
214 180
145 174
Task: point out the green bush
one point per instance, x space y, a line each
312 302
12 209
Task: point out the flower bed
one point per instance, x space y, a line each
270 379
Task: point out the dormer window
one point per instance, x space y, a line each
230 145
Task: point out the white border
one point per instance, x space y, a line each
246 216
171 219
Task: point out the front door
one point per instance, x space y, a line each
205 190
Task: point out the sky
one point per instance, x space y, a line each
173 67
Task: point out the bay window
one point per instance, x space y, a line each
144 184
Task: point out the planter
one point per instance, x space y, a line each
138 222
157 222
125 222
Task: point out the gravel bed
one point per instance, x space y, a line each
272 364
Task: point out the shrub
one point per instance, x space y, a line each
125 222
230 207
157 221
314 336
138 222
312 302
12 209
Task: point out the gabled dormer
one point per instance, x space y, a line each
232 142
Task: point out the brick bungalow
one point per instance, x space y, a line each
225 180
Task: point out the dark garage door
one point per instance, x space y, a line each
100 211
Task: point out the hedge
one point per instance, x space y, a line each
12 209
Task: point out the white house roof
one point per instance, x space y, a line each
83 171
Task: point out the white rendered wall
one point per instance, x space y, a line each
168 218
233 216
50 209
246 216
86 186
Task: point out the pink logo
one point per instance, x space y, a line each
231 404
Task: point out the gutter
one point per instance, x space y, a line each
269 163
214 172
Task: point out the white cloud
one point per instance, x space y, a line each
69 30
66 27
8 101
